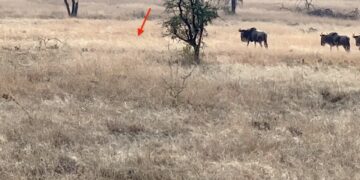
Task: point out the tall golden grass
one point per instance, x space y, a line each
97 105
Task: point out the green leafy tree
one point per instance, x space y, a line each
187 20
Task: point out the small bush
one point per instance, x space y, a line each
66 165
116 127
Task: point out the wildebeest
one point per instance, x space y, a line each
252 35
357 40
334 39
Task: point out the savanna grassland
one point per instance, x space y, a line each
86 98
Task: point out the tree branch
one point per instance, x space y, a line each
194 19
185 20
67 6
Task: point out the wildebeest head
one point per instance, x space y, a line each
322 39
246 33
327 38
357 39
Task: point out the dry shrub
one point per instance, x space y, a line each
332 98
326 12
138 174
66 165
295 131
264 126
121 128
176 81
60 139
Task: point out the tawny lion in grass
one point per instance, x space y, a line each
252 35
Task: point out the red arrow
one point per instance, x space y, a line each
141 30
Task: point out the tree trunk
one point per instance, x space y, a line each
233 6
74 7
197 45
197 54
67 7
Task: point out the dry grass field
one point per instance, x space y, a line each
87 99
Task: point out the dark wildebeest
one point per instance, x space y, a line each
357 40
334 39
252 35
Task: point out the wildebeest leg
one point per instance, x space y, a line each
347 48
255 43
248 43
261 44
337 46
265 43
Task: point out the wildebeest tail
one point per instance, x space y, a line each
265 41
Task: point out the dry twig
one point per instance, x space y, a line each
11 98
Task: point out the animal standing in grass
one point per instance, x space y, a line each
357 40
252 35
334 39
